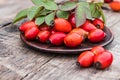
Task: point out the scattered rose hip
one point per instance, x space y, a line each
103 60
86 59
108 1
115 6
97 56
97 50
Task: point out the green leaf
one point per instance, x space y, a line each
96 14
39 20
33 12
44 12
95 11
103 16
49 18
100 4
22 14
85 4
50 5
92 8
86 7
67 6
37 2
88 13
62 14
101 12
80 16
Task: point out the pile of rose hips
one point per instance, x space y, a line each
64 31
98 56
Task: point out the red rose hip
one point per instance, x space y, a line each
71 19
86 59
97 50
57 38
87 26
73 40
104 60
80 31
62 25
27 25
43 36
96 35
31 33
98 23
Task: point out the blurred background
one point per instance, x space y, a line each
9 8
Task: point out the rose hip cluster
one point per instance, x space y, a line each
64 31
98 56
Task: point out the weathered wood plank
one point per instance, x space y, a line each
9 8
7 74
19 62
18 57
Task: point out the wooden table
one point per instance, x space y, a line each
19 62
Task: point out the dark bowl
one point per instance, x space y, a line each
49 48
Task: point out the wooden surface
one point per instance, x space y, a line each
19 62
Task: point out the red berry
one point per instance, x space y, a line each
62 25
108 1
86 59
96 35
104 60
97 50
115 6
73 40
44 27
31 33
43 36
52 31
57 38
27 25
87 26
98 23
71 19
80 31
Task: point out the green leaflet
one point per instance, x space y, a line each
37 2
33 12
48 4
49 18
22 14
80 16
62 14
40 20
67 6
86 7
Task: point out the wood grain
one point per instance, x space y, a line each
19 62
